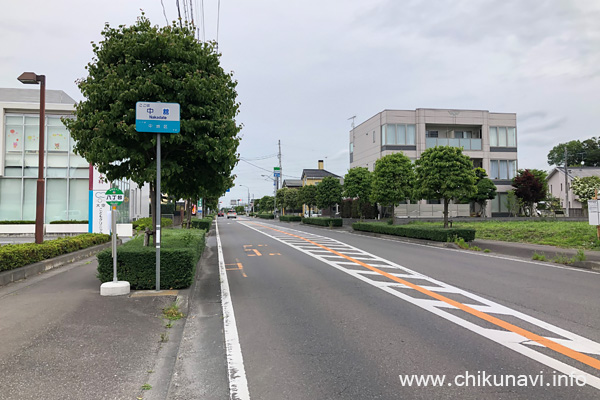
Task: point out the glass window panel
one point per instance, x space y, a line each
512 169
14 138
351 150
400 134
391 134
475 144
32 134
503 197
13 171
430 142
495 203
502 136
10 199
29 199
57 160
512 137
57 139
493 136
78 199
503 169
410 134
382 135
32 121
79 172
431 134
373 136
14 120
442 142
31 164
494 169
56 199
13 160
465 144
56 172
454 142
54 121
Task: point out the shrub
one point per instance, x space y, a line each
538 256
168 208
69 222
428 232
17 255
19 222
579 257
331 222
290 218
204 223
143 223
179 253
266 216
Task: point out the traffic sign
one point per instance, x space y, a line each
114 196
276 172
157 117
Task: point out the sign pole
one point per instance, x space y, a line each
113 222
158 202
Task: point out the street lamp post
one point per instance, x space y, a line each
32 78
248 193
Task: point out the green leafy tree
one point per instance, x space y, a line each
357 185
585 188
445 173
392 180
266 204
142 62
485 189
329 193
308 196
513 203
291 200
529 188
587 152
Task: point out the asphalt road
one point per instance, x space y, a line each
323 314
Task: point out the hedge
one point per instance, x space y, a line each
143 223
79 222
290 218
266 216
438 234
13 256
323 221
19 222
180 251
204 223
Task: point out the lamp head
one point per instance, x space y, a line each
29 78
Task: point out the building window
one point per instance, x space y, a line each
431 134
351 147
373 136
66 173
398 134
501 136
503 169
499 203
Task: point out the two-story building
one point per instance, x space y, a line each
488 138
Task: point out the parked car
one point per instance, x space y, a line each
312 214
221 214
231 214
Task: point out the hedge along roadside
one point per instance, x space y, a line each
13 256
266 216
180 251
435 233
204 223
290 218
323 221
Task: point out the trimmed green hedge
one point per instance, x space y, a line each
438 234
290 218
80 222
19 222
180 251
143 223
13 256
204 223
323 221
266 216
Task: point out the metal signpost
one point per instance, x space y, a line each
594 214
114 197
157 118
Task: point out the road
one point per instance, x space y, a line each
325 314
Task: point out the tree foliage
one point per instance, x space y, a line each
308 196
587 151
357 185
529 188
585 188
392 180
329 193
485 189
266 203
444 172
142 62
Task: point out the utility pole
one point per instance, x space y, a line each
566 186
280 178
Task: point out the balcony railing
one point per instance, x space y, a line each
467 144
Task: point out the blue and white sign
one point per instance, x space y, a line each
157 117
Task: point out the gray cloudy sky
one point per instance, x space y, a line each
305 67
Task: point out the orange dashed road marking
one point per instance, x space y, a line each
575 355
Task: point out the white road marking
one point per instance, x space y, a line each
508 339
238 384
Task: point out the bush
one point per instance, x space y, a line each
204 223
69 222
290 218
438 234
19 222
179 253
266 216
168 208
13 256
143 223
331 222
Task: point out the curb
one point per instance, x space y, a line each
30 270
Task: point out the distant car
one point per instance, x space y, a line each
312 214
221 214
231 214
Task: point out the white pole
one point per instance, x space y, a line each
158 201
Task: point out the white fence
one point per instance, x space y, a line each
431 210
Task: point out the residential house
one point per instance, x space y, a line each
314 176
556 186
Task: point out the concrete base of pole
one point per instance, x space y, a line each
114 288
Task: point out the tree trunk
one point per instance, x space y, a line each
392 207
446 202
189 213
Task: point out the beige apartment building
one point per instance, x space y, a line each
488 138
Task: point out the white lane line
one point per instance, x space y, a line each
238 384
510 340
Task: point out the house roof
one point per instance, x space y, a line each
317 174
8 95
292 183
576 172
